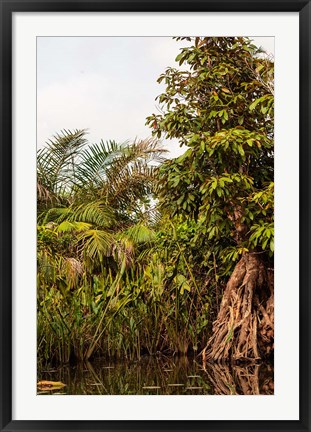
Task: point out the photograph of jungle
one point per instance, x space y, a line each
155 215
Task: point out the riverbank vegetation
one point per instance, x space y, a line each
142 254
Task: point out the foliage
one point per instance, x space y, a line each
114 278
134 251
221 108
147 305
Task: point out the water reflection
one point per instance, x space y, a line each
246 380
161 376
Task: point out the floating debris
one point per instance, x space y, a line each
193 376
50 385
151 387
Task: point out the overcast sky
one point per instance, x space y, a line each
104 84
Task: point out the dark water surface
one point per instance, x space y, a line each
160 376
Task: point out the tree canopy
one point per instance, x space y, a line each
221 108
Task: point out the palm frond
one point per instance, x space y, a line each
128 183
56 163
67 226
101 164
97 213
94 161
95 244
140 233
55 214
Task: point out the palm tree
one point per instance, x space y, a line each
93 193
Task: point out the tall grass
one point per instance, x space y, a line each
124 314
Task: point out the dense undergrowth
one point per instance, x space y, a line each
138 254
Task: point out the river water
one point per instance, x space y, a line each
160 376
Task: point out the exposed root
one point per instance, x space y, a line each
243 330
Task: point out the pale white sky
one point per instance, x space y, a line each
104 84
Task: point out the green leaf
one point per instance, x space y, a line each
254 104
241 151
272 245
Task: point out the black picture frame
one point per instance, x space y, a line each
7 8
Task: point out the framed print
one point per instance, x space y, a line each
155 215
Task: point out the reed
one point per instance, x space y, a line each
121 315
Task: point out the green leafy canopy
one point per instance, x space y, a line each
222 108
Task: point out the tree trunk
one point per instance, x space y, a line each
244 328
